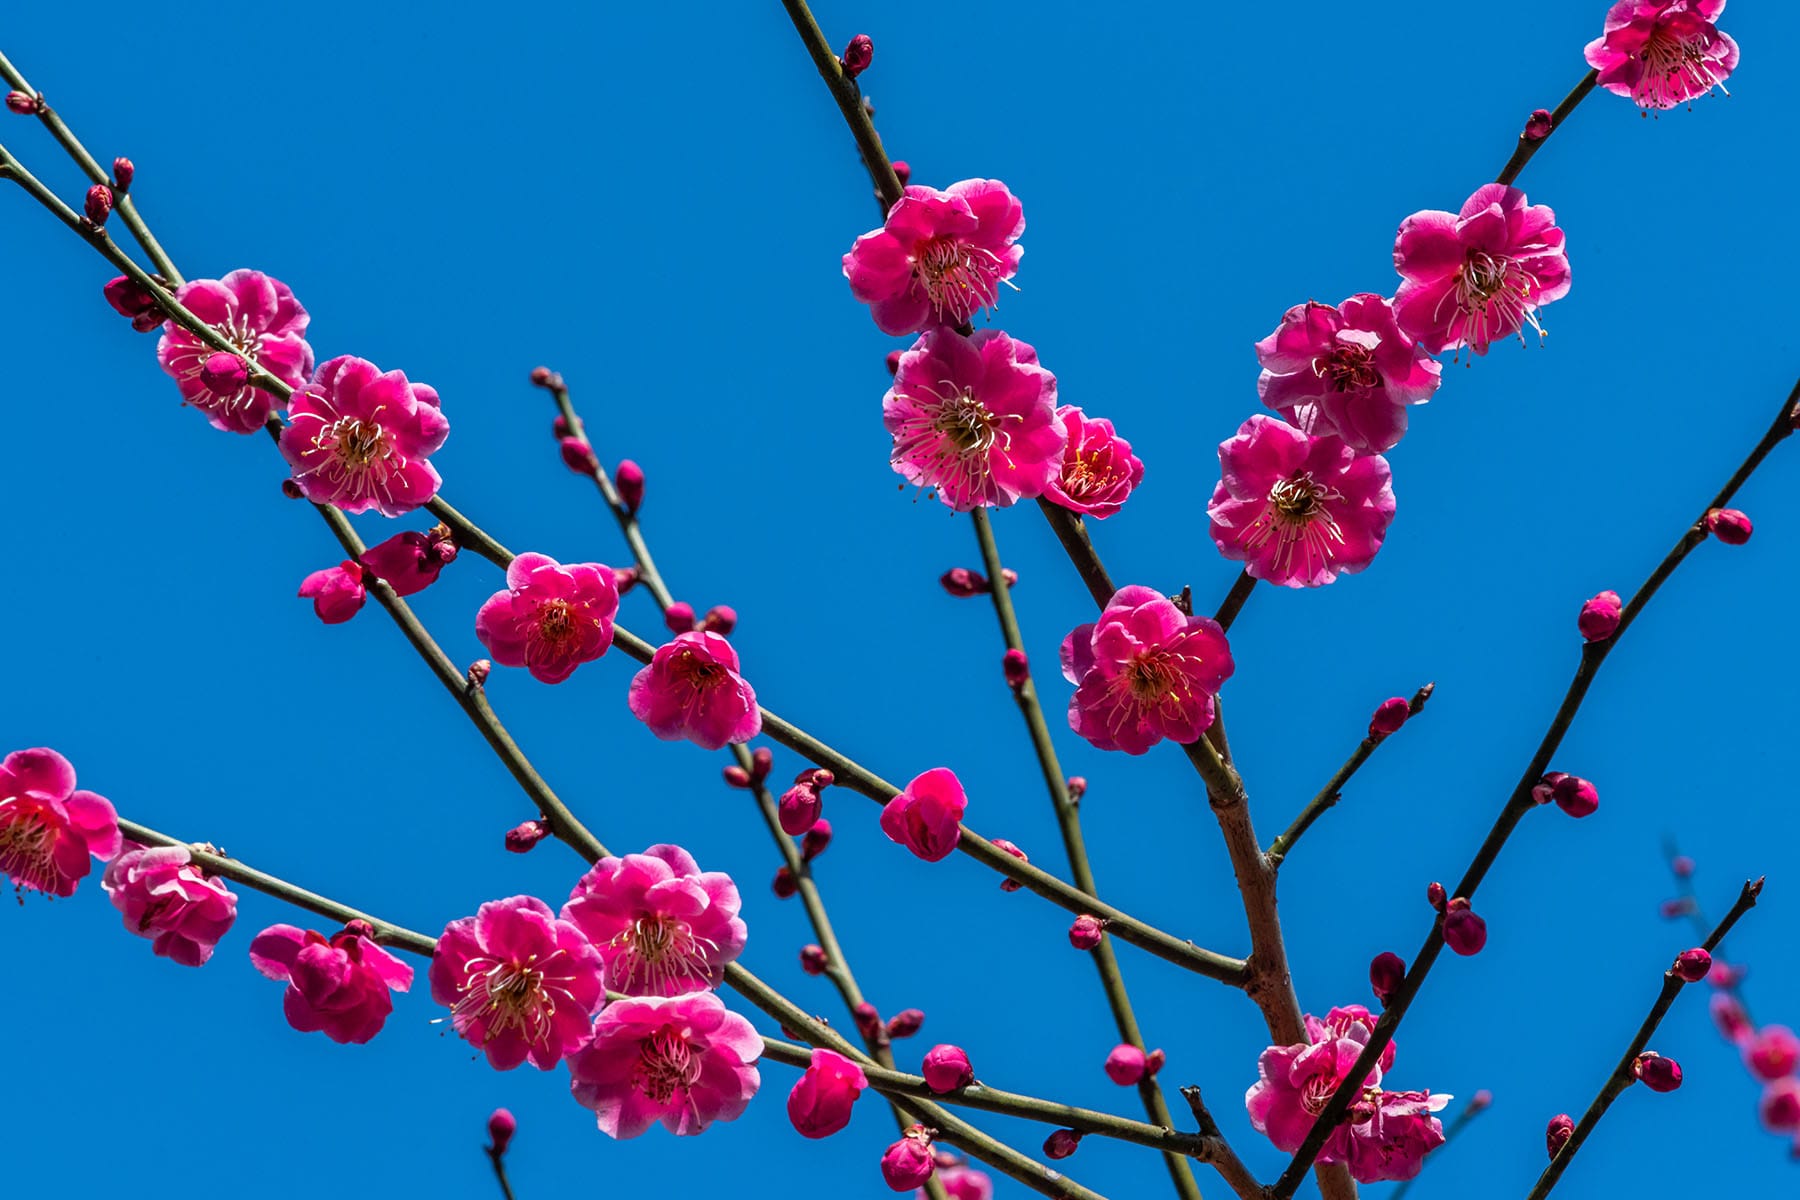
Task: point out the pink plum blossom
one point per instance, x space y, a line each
691 689
821 1100
1347 371
520 984
163 896
1476 276
260 317
975 419
963 1183
48 830
1662 53
662 926
1098 470
1143 672
1296 1082
1779 1108
1393 1143
551 618
1296 509
683 1060
410 562
940 257
926 815
339 985
361 438
1772 1052
337 592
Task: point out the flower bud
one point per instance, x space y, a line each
893 361
291 490
99 205
823 1097
144 322
679 617
22 104
128 297
813 960
337 592
1693 965
1683 866
815 841
1153 1062
1773 1053
544 377
1729 1016
1779 1109
1085 933
1729 526
1575 796
625 578
947 1069
736 776
905 1023
798 809
1479 1101
785 885
762 760
962 582
1125 1065
1386 972
630 480
1599 617
1724 975
1011 885
1435 894
1389 717
1539 125
869 1023
1561 1129
1464 932
478 672
123 173
720 619
858 55
1017 669
578 456
1010 576
902 171
909 1162
1076 786
521 838
224 374
1673 909
1061 1144
1657 1073
501 1127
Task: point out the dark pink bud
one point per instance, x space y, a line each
799 809
1386 972
947 1069
560 428
1153 1062
1729 526
1657 1073
858 55
1680 906
1061 1144
1724 975
736 776
630 480
785 885
679 617
521 838
22 104
1389 717
1683 866
1011 885
1693 965
578 456
1435 894
1575 796
1599 617
144 322
478 672
1539 125
902 171
909 1162
128 297
893 361
501 1127
762 759
1464 932
291 490
1076 786
1779 1109
1085 933
1125 1065
123 173
720 619
1544 790
1479 1101
625 578
99 206
815 841
961 582
1016 667
224 374
540 377
813 960
1561 1129
905 1023
869 1023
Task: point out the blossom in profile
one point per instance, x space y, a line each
1662 53
940 257
686 1061
1393 1142
361 438
974 419
410 562
260 318
1346 370
662 926
1296 509
926 815
1143 672
1476 276
691 689
1098 470
49 831
521 985
340 986
337 593
820 1103
551 618
163 896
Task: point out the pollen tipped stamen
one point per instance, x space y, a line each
665 954
26 847
665 1063
1297 520
953 436
509 996
958 278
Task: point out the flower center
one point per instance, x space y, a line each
508 995
1150 676
660 955
1492 294
665 1062
26 843
555 621
1297 520
949 435
1675 69
958 278
359 454
697 671
1350 368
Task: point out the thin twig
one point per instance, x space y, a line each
1527 147
1234 600
499 1161
1230 1168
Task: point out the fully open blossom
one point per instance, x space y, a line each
410 562
691 689
661 924
820 1103
1296 1082
1143 672
163 896
1298 510
974 418
683 1060
1479 275
940 257
551 618
339 985
520 984
1663 52
257 315
1347 371
337 593
1098 470
361 438
926 815
48 830
1392 1144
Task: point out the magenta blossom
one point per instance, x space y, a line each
926 815
684 1060
361 439
963 1183
410 562
1663 52
1143 672
1353 1021
1347 371
1772 1052
691 689
1479 275
820 1103
337 592
1298 510
552 618
1392 1144
163 896
520 984
339 985
940 257
662 925
257 315
48 830
1098 468
1296 1082
974 418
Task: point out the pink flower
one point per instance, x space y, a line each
410 562
974 418
1663 52
1772 1053
940 257
1144 671
1393 1143
360 438
1780 1106
662 926
691 689
820 1103
683 1060
926 815
1477 276
1296 1082
1098 471
339 986
48 830
520 984
551 618
337 592
1352 1021
1298 510
963 1183
163 896
1347 371
260 317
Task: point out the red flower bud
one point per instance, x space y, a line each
1480 1100
224 374
1729 526
761 760
905 1023
1389 717
1011 885
679 617
22 104
1575 796
720 619
1085 933
1435 894
478 672
578 456
625 578
1600 616
1017 669
858 55
813 960
962 582
869 1023
1125 1065
1076 785
1693 965
946 1069
736 776
123 173
1464 932
540 377
1680 906
521 838
815 841
1538 127
1683 866
1061 1144
785 885
128 297
99 204
1561 1129
1657 1073
630 480
893 361
1386 972
798 809
909 1162
1153 1062
902 171
501 1127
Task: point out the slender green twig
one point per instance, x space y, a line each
1527 146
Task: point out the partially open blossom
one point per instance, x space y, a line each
410 562
48 830
661 924
1694 965
551 618
1386 972
1662 53
1098 469
1558 1133
1779 1109
1296 1082
926 815
820 1103
361 438
1464 932
1729 526
909 1162
940 257
1143 672
1125 1065
1479 275
946 1068
1085 931
339 985
1393 1143
262 321
963 1183
337 592
1600 616
1772 1052
686 1061
521 985
1657 1073
1388 718
974 419
163 896
1347 371
691 689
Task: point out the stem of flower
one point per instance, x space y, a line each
1233 603
1526 148
849 101
1071 531
499 1161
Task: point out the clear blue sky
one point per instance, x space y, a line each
653 199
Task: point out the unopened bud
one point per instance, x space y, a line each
99 204
720 619
762 760
144 322
478 672
22 104
578 456
501 1127
736 776
540 377
1538 125
1389 717
1153 1062
224 374
1679 906
902 171
947 1069
1657 1073
1693 965
815 841
1557 1135
521 838
560 428
1435 893
128 297
1125 1065
1086 932
123 173
1011 885
799 809
785 886
625 578
1061 1144
1729 526
291 490
869 1023
1464 932
962 582
858 55
1730 1018
630 480
1480 1100
1016 667
905 1023
679 617
1600 616
1683 866
1076 786
1575 796
813 960
1386 972
909 1162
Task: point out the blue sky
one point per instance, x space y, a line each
653 200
